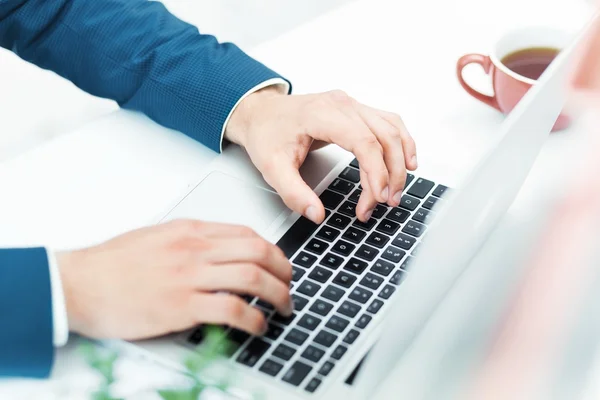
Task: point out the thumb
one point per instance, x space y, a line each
285 178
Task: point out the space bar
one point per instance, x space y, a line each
296 236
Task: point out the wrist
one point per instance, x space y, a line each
67 266
241 119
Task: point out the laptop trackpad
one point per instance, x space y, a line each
224 198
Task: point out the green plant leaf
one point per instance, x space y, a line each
188 394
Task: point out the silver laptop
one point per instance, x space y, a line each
362 288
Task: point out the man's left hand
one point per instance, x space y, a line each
278 131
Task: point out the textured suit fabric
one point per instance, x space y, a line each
138 54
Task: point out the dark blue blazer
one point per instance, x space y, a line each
138 54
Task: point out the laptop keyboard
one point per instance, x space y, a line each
344 272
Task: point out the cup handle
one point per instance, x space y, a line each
486 64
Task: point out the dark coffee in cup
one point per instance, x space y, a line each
530 63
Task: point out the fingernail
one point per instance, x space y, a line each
368 215
265 328
397 197
413 161
311 213
385 193
289 310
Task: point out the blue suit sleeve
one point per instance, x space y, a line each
26 347
137 53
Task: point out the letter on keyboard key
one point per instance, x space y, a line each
355 265
388 227
360 295
320 274
404 241
387 291
344 279
379 211
409 203
420 188
308 288
430 202
331 261
321 307
305 260
313 354
377 239
296 374
338 221
424 216
297 273
339 352
299 302
253 352
341 186
348 208
366 253
328 233
316 246
284 352
354 235
333 293
337 324
326 368
363 321
296 336
351 336
397 277
371 281
349 309
393 254
398 215
309 322
440 190
325 339
343 248
414 228
375 306
355 195
382 267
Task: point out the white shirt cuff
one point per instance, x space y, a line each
269 82
59 311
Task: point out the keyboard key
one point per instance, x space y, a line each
313 385
284 352
398 215
330 199
377 239
237 337
382 267
409 179
326 368
363 321
308 288
393 254
316 246
420 188
355 195
354 235
351 336
325 338
371 281
297 273
360 295
320 274
280 319
296 236
273 332
328 233
350 174
253 352
337 324
331 261
342 247
313 354
379 211
414 228
408 202
375 306
367 226
423 215
404 241
354 163
341 186
296 336
387 291
333 293
296 374
430 202
305 260
271 367
321 307
439 191
349 309
309 322
355 265
299 301
366 253
348 208
388 227
339 352
406 263
397 277
197 336
338 221
344 279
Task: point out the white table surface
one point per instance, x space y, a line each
119 173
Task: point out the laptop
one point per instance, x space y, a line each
362 291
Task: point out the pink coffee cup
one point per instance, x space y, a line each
510 87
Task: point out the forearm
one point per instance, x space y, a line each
137 53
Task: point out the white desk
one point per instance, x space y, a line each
120 172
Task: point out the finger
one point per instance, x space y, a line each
252 250
225 309
285 178
390 138
366 201
339 123
245 278
408 143
202 229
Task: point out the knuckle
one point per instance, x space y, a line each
262 248
338 95
232 308
250 275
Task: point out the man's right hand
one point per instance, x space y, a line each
171 277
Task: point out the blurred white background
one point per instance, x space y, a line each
25 89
